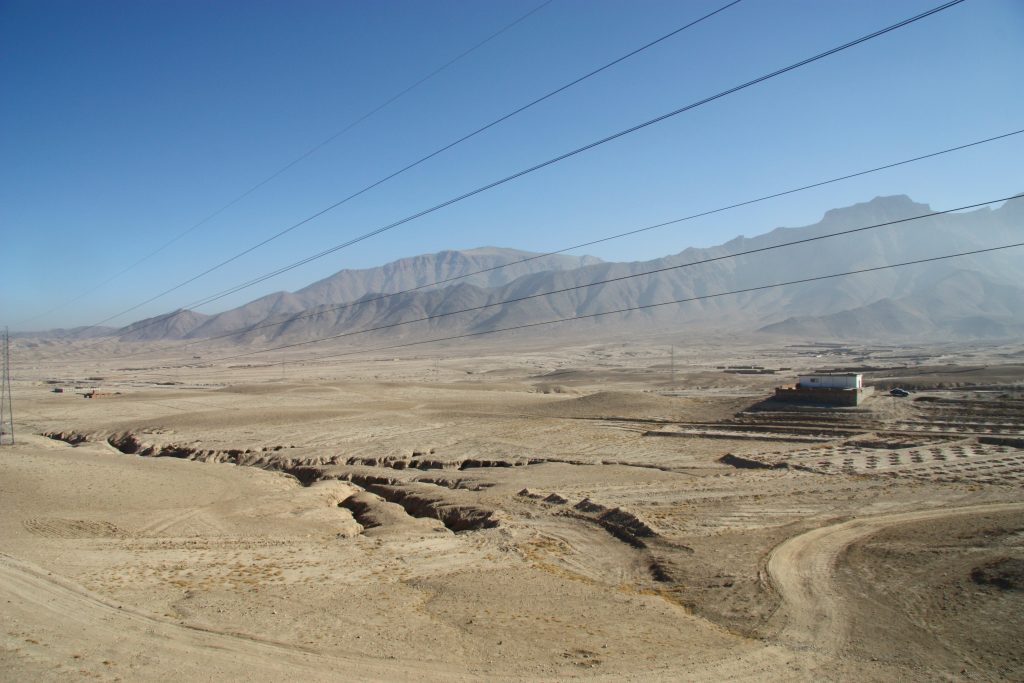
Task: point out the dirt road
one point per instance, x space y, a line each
802 570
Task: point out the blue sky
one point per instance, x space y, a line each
122 124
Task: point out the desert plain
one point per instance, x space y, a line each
513 510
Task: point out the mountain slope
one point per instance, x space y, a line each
485 267
173 325
962 305
909 300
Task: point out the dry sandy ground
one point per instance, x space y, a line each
544 515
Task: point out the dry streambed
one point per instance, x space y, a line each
439 578
382 498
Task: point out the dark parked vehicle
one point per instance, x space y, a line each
899 392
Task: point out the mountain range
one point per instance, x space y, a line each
976 296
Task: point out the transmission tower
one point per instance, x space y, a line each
6 405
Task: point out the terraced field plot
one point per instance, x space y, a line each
985 445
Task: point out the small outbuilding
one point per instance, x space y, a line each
828 388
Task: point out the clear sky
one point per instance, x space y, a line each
124 123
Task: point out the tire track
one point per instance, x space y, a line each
802 570
64 619
83 617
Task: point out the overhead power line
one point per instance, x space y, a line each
411 165
302 157
656 271
363 302
6 397
551 161
628 233
676 301
572 153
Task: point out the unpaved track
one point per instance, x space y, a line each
187 652
71 624
802 570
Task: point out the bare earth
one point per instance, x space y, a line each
539 514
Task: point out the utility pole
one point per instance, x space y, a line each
672 357
6 401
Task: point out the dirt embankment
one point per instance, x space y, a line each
415 498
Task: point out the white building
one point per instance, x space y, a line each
829 380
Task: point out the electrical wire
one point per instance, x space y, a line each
362 302
678 301
549 162
566 155
630 309
302 157
505 302
410 166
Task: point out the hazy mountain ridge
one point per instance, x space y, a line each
174 325
964 305
966 296
485 266
81 332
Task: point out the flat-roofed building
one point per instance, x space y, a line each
827 388
831 380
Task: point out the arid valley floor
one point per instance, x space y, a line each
572 512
